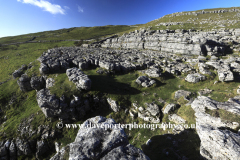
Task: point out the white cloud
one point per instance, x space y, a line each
80 9
66 7
45 5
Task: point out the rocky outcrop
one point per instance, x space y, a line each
37 83
153 109
151 114
223 69
170 107
62 154
176 118
102 143
113 105
194 78
203 102
23 147
170 41
52 106
79 78
145 81
216 141
48 103
24 83
19 72
49 82
182 93
153 72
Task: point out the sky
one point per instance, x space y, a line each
29 16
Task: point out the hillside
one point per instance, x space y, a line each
182 68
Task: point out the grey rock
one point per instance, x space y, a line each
79 78
215 142
153 108
182 93
37 83
145 81
202 102
23 148
49 82
128 152
98 143
24 83
194 78
225 75
153 72
64 65
13 150
170 107
19 72
48 103
176 118
62 154
44 69
113 105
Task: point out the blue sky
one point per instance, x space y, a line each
30 16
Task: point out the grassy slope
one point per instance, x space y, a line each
190 25
76 33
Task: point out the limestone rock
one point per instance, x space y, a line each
24 83
145 81
182 93
113 104
153 72
216 141
49 82
194 78
170 107
79 78
23 148
44 69
62 154
19 72
37 83
153 109
175 118
225 75
202 102
99 143
48 103
128 152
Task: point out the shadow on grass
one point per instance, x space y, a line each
167 76
187 144
108 84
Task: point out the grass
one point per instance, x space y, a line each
76 33
120 87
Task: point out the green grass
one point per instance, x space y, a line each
120 87
76 33
25 106
62 86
